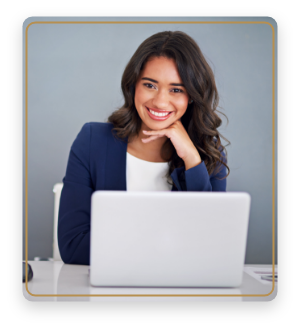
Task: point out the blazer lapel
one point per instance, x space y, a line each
115 166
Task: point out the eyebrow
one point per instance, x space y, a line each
156 82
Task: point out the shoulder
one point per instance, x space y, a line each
93 130
220 170
223 157
222 150
97 129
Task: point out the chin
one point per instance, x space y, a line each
159 125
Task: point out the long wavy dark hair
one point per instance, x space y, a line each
200 119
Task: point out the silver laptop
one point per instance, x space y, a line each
168 239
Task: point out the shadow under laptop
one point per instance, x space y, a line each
74 283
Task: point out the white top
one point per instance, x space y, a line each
146 176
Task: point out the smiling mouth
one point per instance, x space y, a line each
159 113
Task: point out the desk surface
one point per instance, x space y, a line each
70 281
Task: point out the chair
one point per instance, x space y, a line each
57 191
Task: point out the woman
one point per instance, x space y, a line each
164 137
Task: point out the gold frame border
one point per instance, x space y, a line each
273 157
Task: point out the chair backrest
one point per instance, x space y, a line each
57 191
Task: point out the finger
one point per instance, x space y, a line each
151 138
163 132
154 132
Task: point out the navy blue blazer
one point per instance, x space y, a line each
97 161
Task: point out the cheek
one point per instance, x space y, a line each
182 104
140 96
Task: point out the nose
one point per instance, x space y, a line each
161 100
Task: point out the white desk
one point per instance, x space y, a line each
57 278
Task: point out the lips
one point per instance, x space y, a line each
158 114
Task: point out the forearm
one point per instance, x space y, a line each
74 223
198 179
75 250
192 160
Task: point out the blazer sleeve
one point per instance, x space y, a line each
198 179
75 203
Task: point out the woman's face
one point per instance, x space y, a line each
160 97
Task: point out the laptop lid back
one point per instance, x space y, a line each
168 239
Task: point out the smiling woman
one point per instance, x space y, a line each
159 106
168 73
163 138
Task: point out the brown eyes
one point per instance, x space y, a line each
177 90
174 90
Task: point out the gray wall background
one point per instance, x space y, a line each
74 75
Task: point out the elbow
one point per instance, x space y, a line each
65 251
75 250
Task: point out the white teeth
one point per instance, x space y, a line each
159 114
